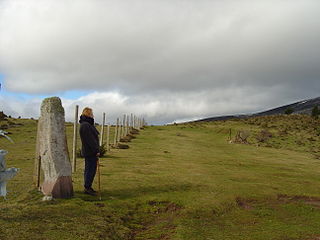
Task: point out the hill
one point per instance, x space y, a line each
177 182
301 107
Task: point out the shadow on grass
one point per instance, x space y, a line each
129 193
109 157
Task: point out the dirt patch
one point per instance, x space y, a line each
154 203
134 131
172 207
162 217
122 146
314 238
313 201
180 135
165 206
131 136
241 137
248 204
126 138
100 205
244 203
264 136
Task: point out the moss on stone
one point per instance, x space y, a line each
52 105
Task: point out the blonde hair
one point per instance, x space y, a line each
87 112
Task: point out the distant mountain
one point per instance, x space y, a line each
302 107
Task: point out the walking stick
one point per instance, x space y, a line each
99 188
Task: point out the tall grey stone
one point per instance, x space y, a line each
53 150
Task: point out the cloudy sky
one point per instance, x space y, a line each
168 60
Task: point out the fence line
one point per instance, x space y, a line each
122 128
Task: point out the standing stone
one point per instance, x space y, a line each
53 150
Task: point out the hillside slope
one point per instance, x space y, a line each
301 107
174 182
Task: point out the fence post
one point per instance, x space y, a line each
128 131
116 133
136 123
108 138
124 126
119 130
38 172
102 128
74 145
131 121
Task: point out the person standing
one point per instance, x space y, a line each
90 148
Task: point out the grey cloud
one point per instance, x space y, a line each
164 50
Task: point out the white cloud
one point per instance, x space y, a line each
164 108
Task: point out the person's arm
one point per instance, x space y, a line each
88 139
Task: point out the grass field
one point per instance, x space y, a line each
178 182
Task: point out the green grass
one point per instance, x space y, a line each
174 182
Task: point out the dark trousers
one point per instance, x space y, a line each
89 170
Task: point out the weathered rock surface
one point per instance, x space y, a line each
53 150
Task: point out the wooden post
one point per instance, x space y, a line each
37 163
116 133
119 130
230 134
131 121
121 124
124 126
108 138
128 128
102 128
99 179
38 172
75 134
